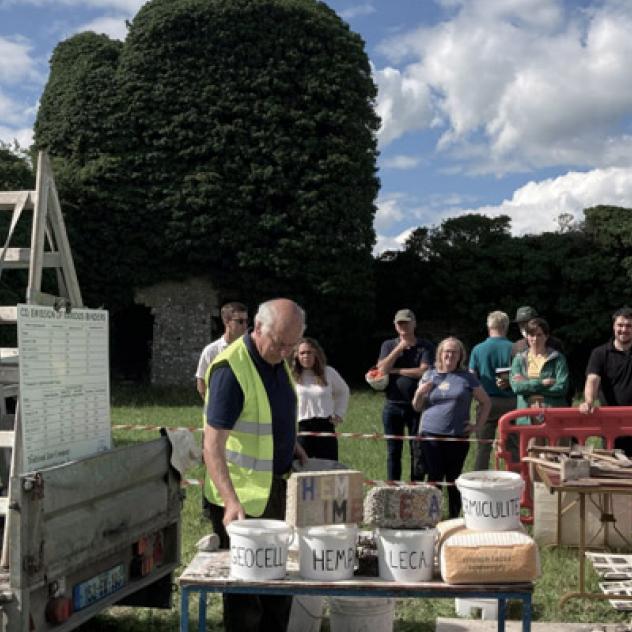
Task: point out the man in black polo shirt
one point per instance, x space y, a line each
610 367
405 359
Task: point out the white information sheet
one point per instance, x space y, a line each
64 384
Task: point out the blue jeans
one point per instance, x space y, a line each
396 418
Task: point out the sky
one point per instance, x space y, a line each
515 107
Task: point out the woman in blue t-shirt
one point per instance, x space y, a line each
445 394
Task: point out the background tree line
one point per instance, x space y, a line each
453 274
236 139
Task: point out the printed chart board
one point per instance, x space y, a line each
64 384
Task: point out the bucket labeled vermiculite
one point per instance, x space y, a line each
491 500
258 549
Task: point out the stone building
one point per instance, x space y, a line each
183 315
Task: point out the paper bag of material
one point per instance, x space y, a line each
486 557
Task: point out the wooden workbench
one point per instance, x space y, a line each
208 573
603 490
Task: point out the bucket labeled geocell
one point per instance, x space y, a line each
406 555
258 549
327 552
491 500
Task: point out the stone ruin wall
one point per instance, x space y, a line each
182 314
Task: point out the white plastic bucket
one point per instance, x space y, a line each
406 555
362 614
306 614
258 549
491 500
327 553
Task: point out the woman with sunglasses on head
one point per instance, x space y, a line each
445 394
323 397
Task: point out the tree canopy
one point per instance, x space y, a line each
229 138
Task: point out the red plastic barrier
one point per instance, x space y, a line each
553 424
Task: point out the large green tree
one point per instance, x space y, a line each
234 138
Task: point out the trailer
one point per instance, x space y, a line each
84 526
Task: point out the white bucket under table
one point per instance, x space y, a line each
406 555
327 553
491 500
306 614
361 614
258 549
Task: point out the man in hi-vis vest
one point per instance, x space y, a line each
250 442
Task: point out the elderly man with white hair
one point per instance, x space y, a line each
250 442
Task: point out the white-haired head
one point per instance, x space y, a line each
498 321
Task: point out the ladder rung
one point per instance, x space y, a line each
7 438
18 259
8 315
8 200
4 505
9 390
9 374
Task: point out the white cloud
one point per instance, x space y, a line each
114 27
389 211
401 162
403 105
534 207
391 243
16 62
130 7
357 11
516 84
23 135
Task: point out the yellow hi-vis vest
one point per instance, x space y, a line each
249 448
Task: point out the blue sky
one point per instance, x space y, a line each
522 107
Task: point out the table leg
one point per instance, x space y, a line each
202 612
502 612
184 609
526 613
582 540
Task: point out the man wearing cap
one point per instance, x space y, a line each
404 359
609 372
487 360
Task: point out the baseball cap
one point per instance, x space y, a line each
404 314
525 313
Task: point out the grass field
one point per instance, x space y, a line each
180 407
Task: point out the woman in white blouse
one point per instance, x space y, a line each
323 397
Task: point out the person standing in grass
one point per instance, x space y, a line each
609 372
404 359
539 375
486 358
250 443
235 319
323 397
445 393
